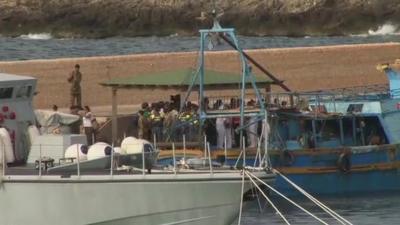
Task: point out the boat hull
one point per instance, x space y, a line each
152 199
351 170
340 183
372 169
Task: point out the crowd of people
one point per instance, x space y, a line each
162 121
165 121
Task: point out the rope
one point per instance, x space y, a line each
288 199
241 199
269 200
317 202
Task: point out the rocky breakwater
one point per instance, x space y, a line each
104 18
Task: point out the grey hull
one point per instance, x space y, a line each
123 199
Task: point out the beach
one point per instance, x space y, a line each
302 68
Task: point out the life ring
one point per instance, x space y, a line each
287 158
344 162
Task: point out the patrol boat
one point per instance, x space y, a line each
30 195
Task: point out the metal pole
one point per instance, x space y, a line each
184 147
314 130
341 130
205 149
209 158
173 155
266 126
334 103
276 81
4 158
354 130
155 140
225 149
78 160
143 162
241 199
244 153
114 120
40 160
201 80
112 159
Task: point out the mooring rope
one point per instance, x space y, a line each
335 215
286 198
269 200
241 199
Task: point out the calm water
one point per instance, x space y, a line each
373 209
42 46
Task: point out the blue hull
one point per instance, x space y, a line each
341 183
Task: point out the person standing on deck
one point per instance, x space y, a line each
170 121
75 79
87 125
229 130
221 129
251 130
142 123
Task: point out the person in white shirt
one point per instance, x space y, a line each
88 125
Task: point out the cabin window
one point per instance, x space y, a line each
24 92
6 92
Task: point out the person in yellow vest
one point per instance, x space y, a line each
156 124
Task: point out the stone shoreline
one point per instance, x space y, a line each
305 68
84 18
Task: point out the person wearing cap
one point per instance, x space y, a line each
75 79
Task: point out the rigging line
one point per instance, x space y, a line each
288 199
241 199
269 200
324 207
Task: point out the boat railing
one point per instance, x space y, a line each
304 99
78 163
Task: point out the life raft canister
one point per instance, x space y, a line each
287 158
344 162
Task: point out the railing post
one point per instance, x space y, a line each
155 141
266 129
4 159
209 158
40 160
225 149
184 147
112 160
244 152
78 161
173 155
143 163
205 150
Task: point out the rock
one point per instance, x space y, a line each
103 18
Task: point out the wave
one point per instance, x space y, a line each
385 29
39 36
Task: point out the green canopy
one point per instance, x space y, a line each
181 79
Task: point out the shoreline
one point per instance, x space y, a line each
302 68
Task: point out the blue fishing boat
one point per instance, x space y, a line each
339 141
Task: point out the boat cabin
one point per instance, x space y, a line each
16 111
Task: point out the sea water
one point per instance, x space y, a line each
368 209
43 46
